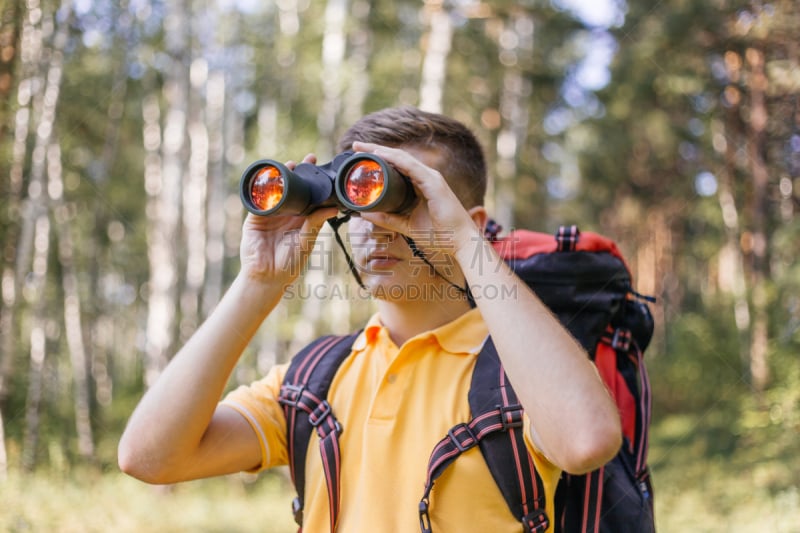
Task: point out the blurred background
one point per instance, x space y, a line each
672 127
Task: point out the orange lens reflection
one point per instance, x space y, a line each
266 189
364 183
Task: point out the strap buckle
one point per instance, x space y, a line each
621 340
456 432
536 521
297 511
511 416
320 413
291 394
424 517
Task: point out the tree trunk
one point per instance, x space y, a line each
37 210
19 234
195 196
161 233
13 18
334 45
434 65
358 61
164 196
37 342
732 268
10 28
72 306
513 134
756 143
3 454
215 219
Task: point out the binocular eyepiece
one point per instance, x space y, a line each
353 182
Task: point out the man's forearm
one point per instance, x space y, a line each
174 414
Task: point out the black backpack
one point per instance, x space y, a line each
584 280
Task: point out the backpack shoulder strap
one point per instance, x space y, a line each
304 398
496 427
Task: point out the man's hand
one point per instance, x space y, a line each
277 247
439 210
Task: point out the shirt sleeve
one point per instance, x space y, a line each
549 472
258 404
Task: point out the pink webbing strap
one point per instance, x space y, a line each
294 385
496 426
303 396
645 407
567 238
592 501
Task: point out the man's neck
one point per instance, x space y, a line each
406 319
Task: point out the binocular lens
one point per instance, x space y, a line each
352 182
266 188
364 183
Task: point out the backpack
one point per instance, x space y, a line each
584 280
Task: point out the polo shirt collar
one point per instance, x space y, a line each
464 335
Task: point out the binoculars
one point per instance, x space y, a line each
354 182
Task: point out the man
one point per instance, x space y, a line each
405 383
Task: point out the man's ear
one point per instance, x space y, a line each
479 216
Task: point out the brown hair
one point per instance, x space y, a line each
462 160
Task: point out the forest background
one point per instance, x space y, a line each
671 126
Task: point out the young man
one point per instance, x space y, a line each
405 383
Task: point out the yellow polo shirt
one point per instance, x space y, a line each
395 404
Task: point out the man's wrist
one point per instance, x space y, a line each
469 245
259 293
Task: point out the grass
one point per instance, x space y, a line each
90 502
702 485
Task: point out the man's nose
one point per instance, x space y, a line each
371 231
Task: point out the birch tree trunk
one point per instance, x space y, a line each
358 60
164 196
195 195
72 306
37 210
756 142
732 267
37 342
11 277
216 219
334 44
217 110
516 89
434 65
10 28
19 235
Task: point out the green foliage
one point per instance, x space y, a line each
700 363
711 476
730 461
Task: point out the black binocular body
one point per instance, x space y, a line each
353 182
